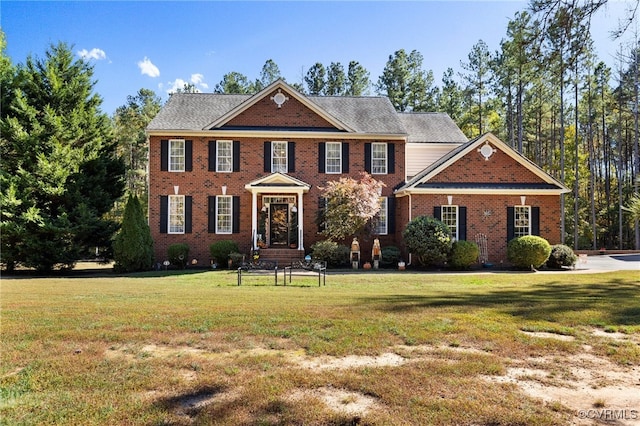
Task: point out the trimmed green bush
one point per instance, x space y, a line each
133 245
561 256
236 259
179 255
429 239
220 251
528 251
463 254
390 257
334 254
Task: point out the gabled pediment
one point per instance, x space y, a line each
485 164
278 182
279 106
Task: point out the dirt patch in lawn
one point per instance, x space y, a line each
587 383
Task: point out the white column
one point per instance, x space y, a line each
300 222
254 218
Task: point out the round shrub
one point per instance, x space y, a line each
179 255
390 257
561 256
463 254
334 254
429 239
236 259
220 251
528 251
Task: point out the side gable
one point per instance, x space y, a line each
278 106
484 165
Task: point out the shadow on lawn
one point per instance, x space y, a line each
617 299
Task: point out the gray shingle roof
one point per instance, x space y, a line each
431 127
365 114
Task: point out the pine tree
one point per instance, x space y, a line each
133 246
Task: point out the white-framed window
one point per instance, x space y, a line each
379 158
381 224
176 215
224 156
333 157
279 157
176 155
224 212
521 221
449 216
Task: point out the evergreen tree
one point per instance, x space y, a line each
316 79
60 173
133 246
234 83
336 80
450 98
477 78
357 80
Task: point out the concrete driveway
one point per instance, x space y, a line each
614 262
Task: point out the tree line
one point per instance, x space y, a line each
67 166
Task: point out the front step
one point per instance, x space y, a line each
284 256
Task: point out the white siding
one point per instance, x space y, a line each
419 156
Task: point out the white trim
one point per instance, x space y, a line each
279 134
326 157
286 156
386 158
230 198
184 155
169 215
218 157
480 191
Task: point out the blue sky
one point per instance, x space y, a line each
161 44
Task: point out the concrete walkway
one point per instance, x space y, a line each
614 262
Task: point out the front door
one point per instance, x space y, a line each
279 224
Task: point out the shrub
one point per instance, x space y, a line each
334 254
220 251
463 254
561 256
390 257
133 245
528 251
429 239
179 255
236 259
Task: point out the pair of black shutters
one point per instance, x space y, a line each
391 157
291 157
462 221
188 213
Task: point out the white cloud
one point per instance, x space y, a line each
147 68
198 80
175 85
95 53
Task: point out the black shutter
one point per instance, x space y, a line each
267 157
212 155
164 155
235 214
188 201
291 157
511 232
164 214
462 223
212 214
236 156
322 156
345 157
391 158
367 157
535 221
188 156
391 215
437 212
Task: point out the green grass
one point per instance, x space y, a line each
131 350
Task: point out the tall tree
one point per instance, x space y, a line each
477 79
130 121
316 79
270 73
357 80
234 83
60 172
451 98
336 80
133 245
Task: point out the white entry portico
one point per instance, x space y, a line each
278 184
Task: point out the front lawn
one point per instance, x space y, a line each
368 348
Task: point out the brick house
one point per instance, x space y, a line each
250 168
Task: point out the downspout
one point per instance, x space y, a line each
409 264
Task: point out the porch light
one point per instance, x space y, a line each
294 209
264 209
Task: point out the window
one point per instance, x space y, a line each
176 215
522 221
449 216
224 156
176 155
224 210
334 157
279 157
378 158
381 222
